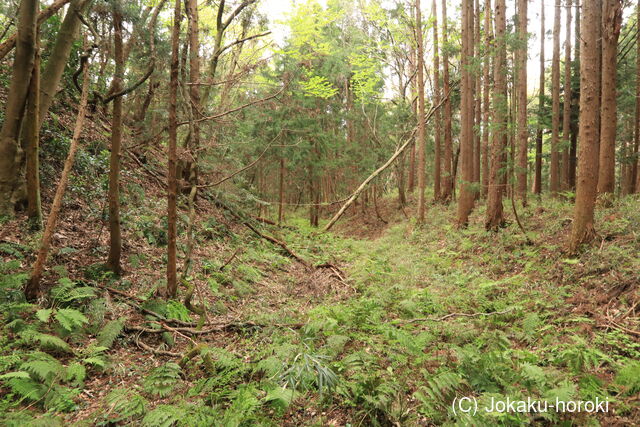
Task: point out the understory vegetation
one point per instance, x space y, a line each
389 334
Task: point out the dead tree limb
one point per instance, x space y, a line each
32 288
381 169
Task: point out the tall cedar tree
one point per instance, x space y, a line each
495 219
478 103
523 131
554 170
632 185
421 138
447 179
537 179
486 89
611 24
437 166
172 190
465 202
566 107
590 71
115 239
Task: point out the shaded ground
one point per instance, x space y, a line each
405 319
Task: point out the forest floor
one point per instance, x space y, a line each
403 320
389 324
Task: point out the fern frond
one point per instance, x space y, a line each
70 318
110 332
44 314
46 341
76 373
43 370
163 416
60 399
629 378
162 379
27 388
125 405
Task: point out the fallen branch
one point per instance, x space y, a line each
233 110
271 239
279 243
228 261
378 171
150 349
450 315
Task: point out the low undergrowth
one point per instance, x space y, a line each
402 325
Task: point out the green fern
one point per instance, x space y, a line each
162 380
629 378
75 373
176 310
439 390
44 370
199 414
27 388
110 332
124 405
66 292
44 314
70 319
61 399
46 341
163 416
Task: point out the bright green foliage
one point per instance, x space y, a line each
318 86
110 332
629 378
162 380
176 310
70 319
163 416
124 405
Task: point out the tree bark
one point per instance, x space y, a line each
521 93
59 57
494 218
281 191
421 141
611 23
172 181
32 288
115 239
8 45
437 167
566 111
32 141
486 108
537 182
573 158
15 104
447 179
554 170
632 184
477 128
586 184
467 196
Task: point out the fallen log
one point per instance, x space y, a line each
381 169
